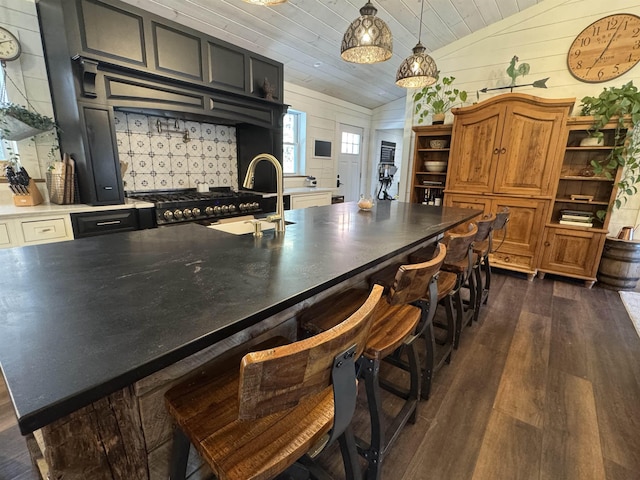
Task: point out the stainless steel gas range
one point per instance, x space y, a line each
179 206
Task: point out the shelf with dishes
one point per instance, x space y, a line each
430 163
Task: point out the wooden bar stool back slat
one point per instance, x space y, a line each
394 327
254 417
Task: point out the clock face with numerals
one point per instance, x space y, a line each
9 45
606 49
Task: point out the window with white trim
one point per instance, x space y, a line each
293 141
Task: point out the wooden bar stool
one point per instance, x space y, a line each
255 417
394 326
481 249
459 261
441 284
499 224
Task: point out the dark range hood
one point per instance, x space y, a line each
106 55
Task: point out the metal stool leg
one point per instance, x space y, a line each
350 455
487 276
179 455
479 290
374 453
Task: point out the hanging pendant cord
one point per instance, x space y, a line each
420 28
4 98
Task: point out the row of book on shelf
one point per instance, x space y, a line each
577 218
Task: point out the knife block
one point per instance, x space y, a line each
28 199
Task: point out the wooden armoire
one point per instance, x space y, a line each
506 152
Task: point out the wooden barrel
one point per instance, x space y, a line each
620 264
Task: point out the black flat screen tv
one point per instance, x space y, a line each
322 149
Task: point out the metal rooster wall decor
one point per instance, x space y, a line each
515 72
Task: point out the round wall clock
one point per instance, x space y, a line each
9 46
606 49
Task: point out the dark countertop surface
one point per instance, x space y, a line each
82 319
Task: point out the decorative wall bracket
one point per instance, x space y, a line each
88 72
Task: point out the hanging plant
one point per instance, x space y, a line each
18 123
622 105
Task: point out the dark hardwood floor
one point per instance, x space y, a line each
545 386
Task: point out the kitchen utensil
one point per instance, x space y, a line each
626 233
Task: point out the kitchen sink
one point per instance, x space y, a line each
243 227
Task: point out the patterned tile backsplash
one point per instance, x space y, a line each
156 154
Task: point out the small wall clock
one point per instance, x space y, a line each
606 49
9 46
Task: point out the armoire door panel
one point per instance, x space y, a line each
474 150
528 151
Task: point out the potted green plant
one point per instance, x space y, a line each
621 105
437 99
17 122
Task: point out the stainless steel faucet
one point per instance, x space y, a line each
278 218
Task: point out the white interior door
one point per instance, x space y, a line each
349 162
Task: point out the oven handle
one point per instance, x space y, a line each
111 222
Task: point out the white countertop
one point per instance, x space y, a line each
44 209
300 191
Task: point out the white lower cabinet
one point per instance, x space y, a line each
35 230
307 200
7 235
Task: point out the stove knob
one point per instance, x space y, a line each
177 214
232 208
225 209
255 205
168 215
217 210
195 212
208 211
187 213
242 206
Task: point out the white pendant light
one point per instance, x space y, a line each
267 3
368 38
419 69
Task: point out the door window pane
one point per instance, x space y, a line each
350 143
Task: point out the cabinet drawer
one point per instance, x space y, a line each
38 231
99 223
311 200
509 259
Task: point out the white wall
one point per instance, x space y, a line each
324 116
29 74
540 36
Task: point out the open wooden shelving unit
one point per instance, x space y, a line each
423 181
575 250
